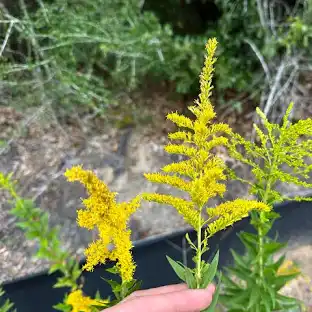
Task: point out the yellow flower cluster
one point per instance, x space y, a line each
230 212
202 174
110 218
81 303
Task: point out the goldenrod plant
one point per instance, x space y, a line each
35 223
202 176
110 219
280 156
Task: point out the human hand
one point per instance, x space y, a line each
173 298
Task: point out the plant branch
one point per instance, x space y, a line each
7 36
261 59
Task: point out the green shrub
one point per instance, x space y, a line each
79 55
87 53
258 34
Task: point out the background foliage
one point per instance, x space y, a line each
87 53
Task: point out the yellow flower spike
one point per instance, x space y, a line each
81 303
230 212
181 149
110 218
125 262
174 180
184 207
185 168
181 135
218 141
180 120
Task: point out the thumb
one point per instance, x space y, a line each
188 300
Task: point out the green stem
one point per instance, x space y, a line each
261 232
199 252
261 249
265 200
261 219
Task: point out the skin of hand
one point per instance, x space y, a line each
172 298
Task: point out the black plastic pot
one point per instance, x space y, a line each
35 293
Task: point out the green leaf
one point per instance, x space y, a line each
76 273
249 237
254 297
271 293
113 270
228 283
227 301
273 247
241 298
215 298
233 291
190 278
245 275
54 267
97 295
62 282
267 302
62 307
239 260
250 242
272 215
275 266
211 271
112 283
116 287
178 269
130 287
266 227
136 286
22 225
281 280
286 302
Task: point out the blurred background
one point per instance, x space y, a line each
91 81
